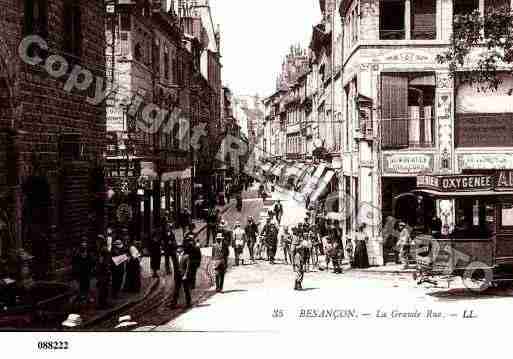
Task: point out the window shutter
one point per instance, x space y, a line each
424 19
28 24
394 110
68 28
77 29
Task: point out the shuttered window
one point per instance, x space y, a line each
35 21
72 28
394 110
423 19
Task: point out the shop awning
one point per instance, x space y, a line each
314 180
305 175
463 194
294 169
172 176
277 170
266 167
322 186
148 171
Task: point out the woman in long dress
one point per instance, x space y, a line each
361 257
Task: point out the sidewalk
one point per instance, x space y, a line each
91 315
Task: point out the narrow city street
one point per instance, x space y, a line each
260 296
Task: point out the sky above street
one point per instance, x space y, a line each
255 37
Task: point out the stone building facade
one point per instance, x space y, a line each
376 94
52 137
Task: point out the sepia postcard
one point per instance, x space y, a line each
310 176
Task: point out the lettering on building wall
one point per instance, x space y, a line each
502 180
485 161
408 163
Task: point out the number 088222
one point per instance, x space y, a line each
53 345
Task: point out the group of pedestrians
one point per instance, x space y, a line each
182 261
114 262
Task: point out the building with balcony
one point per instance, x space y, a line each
165 56
405 116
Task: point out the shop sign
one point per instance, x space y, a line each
115 119
408 56
493 161
408 163
502 180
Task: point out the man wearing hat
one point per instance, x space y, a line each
169 247
404 244
219 256
118 268
82 267
299 267
251 236
195 256
270 233
103 272
184 274
227 238
239 240
155 254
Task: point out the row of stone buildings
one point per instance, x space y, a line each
167 55
367 108
78 80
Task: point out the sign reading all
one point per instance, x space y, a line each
499 181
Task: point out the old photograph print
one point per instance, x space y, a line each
254 166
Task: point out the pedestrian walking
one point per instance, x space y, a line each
103 273
195 256
239 240
133 271
251 236
227 238
82 267
118 268
212 224
299 267
286 242
328 250
184 275
296 242
349 251
155 254
228 193
361 258
307 246
404 244
169 246
337 251
219 261
270 233
278 210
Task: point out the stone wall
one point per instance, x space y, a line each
42 111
